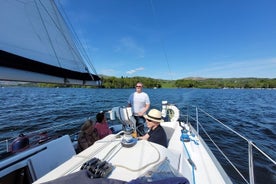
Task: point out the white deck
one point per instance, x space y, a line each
207 168
130 163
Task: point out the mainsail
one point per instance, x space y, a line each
36 45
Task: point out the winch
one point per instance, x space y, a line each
128 140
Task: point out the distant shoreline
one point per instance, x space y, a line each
191 82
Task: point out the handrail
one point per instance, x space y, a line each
218 148
250 144
250 163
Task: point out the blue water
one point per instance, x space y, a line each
252 113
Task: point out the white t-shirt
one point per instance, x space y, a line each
138 101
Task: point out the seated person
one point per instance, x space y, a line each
102 125
156 132
87 136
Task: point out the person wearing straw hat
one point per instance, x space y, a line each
156 132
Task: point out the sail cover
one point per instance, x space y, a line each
37 45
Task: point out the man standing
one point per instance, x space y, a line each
139 102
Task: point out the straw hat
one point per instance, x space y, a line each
154 115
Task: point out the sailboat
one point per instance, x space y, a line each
44 51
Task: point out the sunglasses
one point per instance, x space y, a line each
138 86
149 120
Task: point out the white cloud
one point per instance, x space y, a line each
130 72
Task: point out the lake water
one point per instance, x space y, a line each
252 113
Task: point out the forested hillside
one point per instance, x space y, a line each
130 82
113 82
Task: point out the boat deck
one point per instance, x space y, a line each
130 163
203 166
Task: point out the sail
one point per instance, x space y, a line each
36 45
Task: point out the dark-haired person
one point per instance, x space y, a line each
156 132
102 125
87 136
139 102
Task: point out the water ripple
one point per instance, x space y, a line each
250 112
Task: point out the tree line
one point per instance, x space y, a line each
227 83
126 82
130 82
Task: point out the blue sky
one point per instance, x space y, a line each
174 39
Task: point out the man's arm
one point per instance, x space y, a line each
145 137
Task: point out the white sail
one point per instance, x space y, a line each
37 45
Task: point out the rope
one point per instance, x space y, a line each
145 166
92 154
189 160
112 151
162 41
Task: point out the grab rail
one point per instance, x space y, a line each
250 144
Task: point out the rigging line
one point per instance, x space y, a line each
222 153
218 121
65 38
235 132
43 23
84 53
268 157
59 27
161 39
83 50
